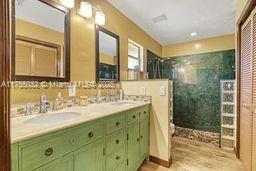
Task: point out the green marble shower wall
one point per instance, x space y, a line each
197 87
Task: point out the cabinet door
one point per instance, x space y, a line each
90 157
133 145
62 164
144 137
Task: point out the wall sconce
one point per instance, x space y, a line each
100 18
68 3
86 10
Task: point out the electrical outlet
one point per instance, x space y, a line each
143 91
162 91
72 90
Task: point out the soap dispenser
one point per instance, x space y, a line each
59 102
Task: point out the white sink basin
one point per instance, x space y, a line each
53 118
123 103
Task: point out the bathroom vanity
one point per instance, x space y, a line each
102 137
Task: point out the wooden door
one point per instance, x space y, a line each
5 49
254 91
246 95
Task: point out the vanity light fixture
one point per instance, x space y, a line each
85 9
100 18
68 3
193 34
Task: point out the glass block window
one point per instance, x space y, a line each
228 109
228 97
228 86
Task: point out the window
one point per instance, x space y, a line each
135 56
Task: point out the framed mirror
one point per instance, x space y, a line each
41 37
107 55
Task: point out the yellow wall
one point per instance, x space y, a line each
31 30
83 40
200 46
83 48
111 60
160 140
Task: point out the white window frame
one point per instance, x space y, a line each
140 58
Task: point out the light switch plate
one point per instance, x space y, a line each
162 91
72 90
143 91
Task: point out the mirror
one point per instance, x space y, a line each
107 55
41 41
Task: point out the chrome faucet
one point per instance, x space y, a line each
44 104
28 109
112 96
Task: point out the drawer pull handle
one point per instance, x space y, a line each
145 112
90 135
117 141
141 137
118 157
134 116
48 151
117 123
138 139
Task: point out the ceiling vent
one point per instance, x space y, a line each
160 18
20 2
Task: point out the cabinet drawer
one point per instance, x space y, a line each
39 151
115 123
114 160
115 141
87 133
42 152
133 116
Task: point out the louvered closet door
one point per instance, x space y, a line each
254 94
246 95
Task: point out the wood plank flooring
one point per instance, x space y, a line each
189 155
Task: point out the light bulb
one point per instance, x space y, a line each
100 18
193 34
68 3
85 9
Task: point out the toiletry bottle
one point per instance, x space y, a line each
98 97
121 94
59 102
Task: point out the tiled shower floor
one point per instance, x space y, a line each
189 155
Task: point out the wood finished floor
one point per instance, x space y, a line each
189 155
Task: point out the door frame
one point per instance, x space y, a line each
245 14
5 75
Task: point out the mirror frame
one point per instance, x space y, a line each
66 77
98 29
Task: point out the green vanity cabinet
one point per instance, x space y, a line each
119 142
138 137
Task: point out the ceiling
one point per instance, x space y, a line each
39 13
172 21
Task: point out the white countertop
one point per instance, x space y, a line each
21 131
